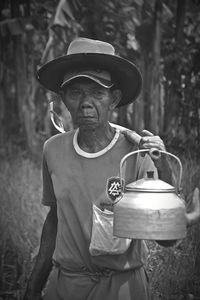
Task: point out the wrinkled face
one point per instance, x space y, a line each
89 103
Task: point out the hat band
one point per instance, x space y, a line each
101 77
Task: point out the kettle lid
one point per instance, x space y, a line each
150 184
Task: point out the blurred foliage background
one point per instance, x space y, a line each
162 37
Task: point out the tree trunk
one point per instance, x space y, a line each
180 18
153 103
138 115
25 93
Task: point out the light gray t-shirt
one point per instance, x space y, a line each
75 183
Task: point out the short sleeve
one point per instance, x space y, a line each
48 196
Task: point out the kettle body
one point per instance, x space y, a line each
149 208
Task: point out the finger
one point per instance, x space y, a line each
196 193
147 133
150 138
196 201
152 142
194 216
156 145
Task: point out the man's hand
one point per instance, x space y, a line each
149 141
146 141
43 264
193 216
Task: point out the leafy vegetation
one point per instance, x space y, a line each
162 37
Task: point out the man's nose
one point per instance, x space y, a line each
86 101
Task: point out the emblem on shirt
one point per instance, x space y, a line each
114 188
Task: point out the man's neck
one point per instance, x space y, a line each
95 139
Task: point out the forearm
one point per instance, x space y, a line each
43 263
39 275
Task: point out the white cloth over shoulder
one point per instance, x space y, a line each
102 239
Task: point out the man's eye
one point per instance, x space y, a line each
98 93
75 92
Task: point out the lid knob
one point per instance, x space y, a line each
150 174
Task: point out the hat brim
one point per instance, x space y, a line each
126 75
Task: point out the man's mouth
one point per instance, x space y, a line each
86 117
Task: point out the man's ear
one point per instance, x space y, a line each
62 96
117 96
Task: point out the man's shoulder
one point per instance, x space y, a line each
126 144
57 140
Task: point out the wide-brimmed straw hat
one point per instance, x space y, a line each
95 60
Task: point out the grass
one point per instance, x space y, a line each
174 272
21 219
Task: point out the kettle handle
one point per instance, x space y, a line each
154 154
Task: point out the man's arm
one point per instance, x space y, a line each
43 263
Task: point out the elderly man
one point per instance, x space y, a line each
77 169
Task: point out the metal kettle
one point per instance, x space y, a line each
150 208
